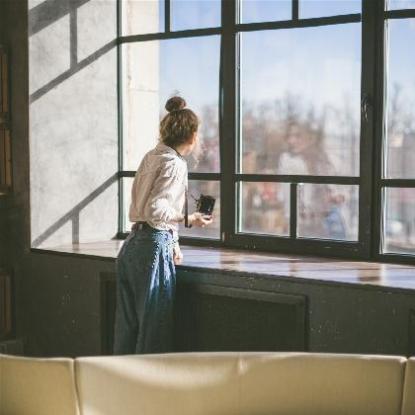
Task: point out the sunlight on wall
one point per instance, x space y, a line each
46 57
142 16
141 100
95 30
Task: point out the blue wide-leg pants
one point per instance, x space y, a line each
146 281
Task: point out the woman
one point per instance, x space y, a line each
146 263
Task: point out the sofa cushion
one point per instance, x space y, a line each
320 384
408 404
37 386
173 384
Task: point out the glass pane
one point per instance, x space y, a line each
400 4
265 208
207 188
400 102
152 72
301 105
127 183
323 8
142 16
328 211
195 14
399 222
264 10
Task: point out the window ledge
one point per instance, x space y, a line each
269 264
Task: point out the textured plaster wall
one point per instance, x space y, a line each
72 121
140 82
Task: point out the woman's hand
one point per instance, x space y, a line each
177 254
200 219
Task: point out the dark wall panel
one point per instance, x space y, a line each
341 318
62 305
211 318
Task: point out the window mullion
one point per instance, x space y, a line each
293 210
369 104
227 118
295 9
375 161
167 15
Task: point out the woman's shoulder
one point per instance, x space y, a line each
173 166
166 163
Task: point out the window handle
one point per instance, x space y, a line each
365 106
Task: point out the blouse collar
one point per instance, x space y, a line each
167 149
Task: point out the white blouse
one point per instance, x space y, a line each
158 191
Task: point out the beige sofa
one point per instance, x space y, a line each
209 383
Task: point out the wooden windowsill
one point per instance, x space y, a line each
266 264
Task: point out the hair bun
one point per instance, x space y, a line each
175 104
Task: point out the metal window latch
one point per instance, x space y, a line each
365 106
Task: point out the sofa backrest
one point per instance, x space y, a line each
37 386
408 403
241 383
321 384
174 384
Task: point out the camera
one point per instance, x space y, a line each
205 204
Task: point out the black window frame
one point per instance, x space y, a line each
370 181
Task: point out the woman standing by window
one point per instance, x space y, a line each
146 263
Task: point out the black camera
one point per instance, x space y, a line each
205 204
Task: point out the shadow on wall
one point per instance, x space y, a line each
55 10
73 119
73 215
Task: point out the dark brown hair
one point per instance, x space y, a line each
179 124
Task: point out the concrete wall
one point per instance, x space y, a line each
73 121
140 81
141 101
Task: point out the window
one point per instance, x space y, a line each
298 144
300 116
